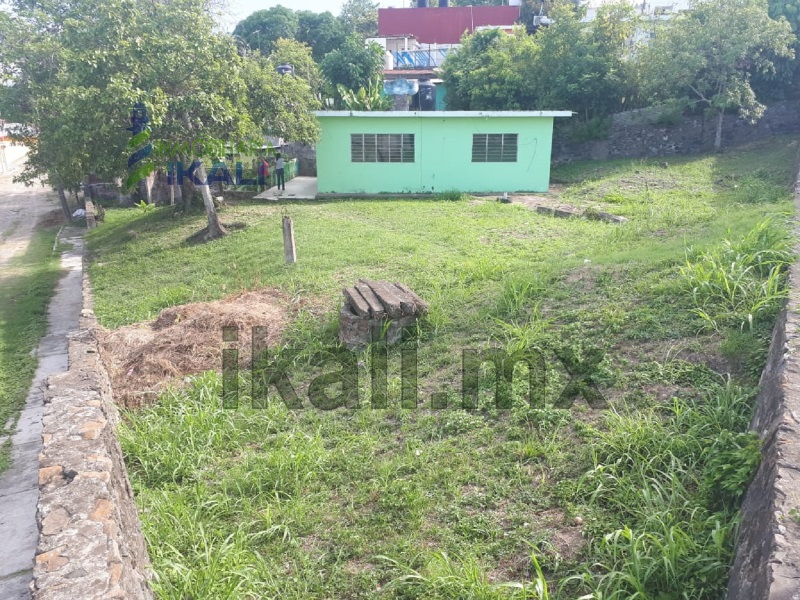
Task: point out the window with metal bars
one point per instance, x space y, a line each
382 147
494 147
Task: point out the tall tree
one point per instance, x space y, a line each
76 71
205 99
784 83
575 70
280 105
360 17
321 31
353 66
568 65
60 84
262 29
298 55
789 9
490 71
707 57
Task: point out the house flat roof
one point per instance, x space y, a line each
445 113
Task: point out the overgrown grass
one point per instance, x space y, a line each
546 499
742 281
26 286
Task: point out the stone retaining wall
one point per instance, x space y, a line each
637 134
767 563
306 156
90 542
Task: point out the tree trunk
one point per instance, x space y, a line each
215 229
718 136
176 193
88 189
147 182
187 187
175 187
62 197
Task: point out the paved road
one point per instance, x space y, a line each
20 209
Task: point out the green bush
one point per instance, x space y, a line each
669 118
596 128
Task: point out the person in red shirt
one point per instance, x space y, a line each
263 174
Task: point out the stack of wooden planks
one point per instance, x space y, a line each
371 299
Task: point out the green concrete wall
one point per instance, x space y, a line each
443 156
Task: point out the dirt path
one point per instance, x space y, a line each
20 209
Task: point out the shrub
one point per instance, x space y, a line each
594 129
741 281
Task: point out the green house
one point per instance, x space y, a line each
430 152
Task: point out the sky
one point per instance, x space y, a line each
242 8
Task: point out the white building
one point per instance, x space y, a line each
659 9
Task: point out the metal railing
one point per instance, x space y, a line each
419 59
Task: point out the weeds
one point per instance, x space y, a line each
452 196
740 282
677 480
520 291
521 337
444 578
144 207
635 501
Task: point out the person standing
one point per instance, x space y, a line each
279 171
263 174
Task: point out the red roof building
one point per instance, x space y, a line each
443 25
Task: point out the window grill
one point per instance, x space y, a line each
382 147
494 147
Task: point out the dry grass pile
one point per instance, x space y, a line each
143 359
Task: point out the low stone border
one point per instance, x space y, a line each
91 222
90 541
566 211
767 562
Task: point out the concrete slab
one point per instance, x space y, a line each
15 587
299 188
19 485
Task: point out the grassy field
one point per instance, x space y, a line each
26 286
668 315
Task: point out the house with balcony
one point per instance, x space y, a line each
417 40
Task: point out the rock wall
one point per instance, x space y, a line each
90 541
767 562
636 134
306 156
